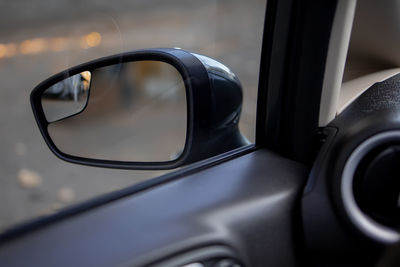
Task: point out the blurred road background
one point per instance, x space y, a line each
41 38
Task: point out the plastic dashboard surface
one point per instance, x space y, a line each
248 205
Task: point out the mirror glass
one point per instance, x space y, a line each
134 111
67 97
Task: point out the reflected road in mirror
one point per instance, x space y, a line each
136 112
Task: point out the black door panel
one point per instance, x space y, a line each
247 205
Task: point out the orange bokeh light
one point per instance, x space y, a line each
41 45
8 50
33 46
91 40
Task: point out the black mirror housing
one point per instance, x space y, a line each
213 97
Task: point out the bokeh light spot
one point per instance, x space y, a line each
93 39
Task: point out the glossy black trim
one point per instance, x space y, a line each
275 39
295 46
304 81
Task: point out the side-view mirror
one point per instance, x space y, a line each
147 110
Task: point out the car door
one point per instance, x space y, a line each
274 203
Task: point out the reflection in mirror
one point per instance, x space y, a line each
136 112
67 97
